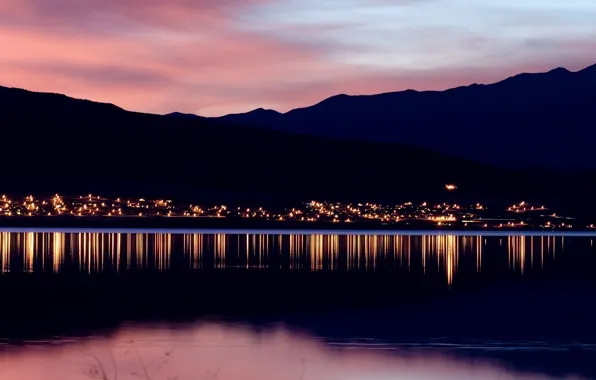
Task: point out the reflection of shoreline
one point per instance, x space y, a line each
288 231
239 353
157 222
115 252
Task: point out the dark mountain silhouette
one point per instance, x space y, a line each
256 117
52 143
184 115
545 119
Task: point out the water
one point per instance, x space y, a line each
440 253
215 351
133 304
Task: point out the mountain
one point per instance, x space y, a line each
51 143
184 115
546 119
257 117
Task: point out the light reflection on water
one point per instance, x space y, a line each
219 351
445 254
223 352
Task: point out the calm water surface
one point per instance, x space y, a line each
216 351
443 254
81 305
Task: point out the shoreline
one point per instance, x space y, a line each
188 225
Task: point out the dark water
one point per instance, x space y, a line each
296 306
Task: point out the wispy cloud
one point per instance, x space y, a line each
220 56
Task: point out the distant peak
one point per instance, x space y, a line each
559 70
180 114
339 96
263 110
335 97
589 69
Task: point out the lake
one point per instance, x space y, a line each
82 304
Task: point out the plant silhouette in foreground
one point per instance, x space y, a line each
146 371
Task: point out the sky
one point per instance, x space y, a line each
213 57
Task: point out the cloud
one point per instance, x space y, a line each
220 56
135 12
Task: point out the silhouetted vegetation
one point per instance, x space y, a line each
146 370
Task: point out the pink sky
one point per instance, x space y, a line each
215 57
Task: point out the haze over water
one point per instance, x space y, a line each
320 306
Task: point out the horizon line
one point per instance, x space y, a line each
307 106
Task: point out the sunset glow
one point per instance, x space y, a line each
226 353
216 57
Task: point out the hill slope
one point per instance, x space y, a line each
546 119
55 143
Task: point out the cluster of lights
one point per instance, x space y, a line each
441 214
523 206
520 215
89 205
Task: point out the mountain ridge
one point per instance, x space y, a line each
527 120
52 143
546 112
411 90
